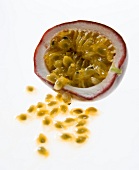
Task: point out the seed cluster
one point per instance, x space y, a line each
56 113
80 58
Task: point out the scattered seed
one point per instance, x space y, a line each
46 121
81 130
63 108
59 97
66 97
43 151
76 111
91 111
52 103
40 105
59 125
83 116
79 119
66 136
30 88
69 120
41 138
22 117
81 123
54 112
48 97
81 139
31 109
42 112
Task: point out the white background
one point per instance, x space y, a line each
114 141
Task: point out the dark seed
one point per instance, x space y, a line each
65 38
53 42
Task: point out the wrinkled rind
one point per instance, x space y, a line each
96 92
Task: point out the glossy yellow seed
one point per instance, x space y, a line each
81 139
40 105
32 108
66 136
59 97
48 97
43 151
22 117
76 111
41 138
59 125
42 112
83 116
63 108
52 103
30 88
67 61
58 64
81 123
91 111
82 130
66 97
60 83
54 112
69 120
47 121
52 77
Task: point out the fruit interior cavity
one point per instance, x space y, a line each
79 58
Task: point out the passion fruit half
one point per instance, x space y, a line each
85 58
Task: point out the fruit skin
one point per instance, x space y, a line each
92 93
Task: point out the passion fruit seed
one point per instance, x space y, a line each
22 117
41 138
76 111
81 139
69 120
66 97
66 136
48 97
42 112
59 125
52 103
60 83
47 121
59 97
30 88
83 116
81 123
52 78
31 109
63 108
91 111
40 105
43 151
54 112
81 130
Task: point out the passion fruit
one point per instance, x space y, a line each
85 58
